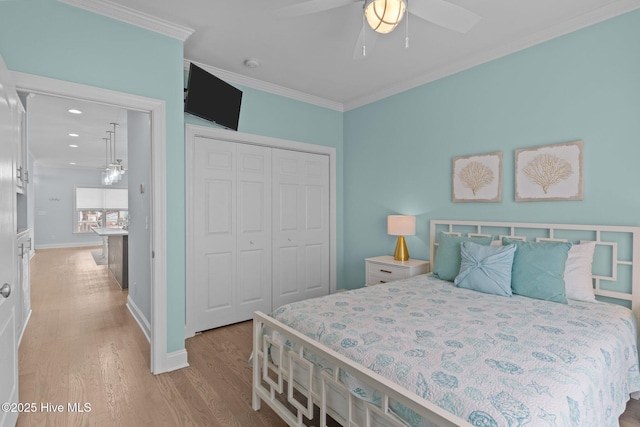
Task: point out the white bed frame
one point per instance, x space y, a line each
294 379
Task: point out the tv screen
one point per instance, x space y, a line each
212 99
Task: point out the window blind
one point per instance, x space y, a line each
101 198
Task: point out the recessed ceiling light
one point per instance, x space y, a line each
74 111
73 146
75 135
72 163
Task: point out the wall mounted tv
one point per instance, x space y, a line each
212 99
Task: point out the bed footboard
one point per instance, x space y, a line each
292 385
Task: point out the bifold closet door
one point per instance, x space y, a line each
300 226
232 223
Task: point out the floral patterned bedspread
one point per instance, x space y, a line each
491 360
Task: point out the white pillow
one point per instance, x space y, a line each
577 272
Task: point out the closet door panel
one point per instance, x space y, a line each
219 277
214 217
254 230
314 277
315 183
301 221
285 280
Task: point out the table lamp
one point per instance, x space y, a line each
401 225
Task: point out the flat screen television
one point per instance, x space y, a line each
212 99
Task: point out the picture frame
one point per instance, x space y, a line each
477 178
549 172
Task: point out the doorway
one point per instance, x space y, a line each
160 360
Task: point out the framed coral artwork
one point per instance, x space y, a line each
550 172
477 178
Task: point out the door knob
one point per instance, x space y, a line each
5 290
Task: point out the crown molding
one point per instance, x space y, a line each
612 10
275 89
131 16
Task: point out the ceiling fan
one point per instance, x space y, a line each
384 15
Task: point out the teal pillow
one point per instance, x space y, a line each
486 268
447 262
538 269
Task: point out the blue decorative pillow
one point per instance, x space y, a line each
486 268
538 269
447 262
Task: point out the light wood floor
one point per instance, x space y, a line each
82 345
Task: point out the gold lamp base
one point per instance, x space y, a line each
401 253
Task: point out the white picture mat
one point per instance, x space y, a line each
490 192
570 188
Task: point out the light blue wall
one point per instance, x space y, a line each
53 190
398 151
139 241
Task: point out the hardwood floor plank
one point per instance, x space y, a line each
83 346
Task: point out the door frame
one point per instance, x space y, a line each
161 361
191 132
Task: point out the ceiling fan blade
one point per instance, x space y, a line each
309 7
444 14
364 44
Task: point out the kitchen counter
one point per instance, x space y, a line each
110 231
115 248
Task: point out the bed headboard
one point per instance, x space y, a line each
616 264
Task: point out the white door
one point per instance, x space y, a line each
232 242
254 230
8 339
300 226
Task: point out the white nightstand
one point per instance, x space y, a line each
383 269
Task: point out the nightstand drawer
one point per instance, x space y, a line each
383 269
374 279
386 272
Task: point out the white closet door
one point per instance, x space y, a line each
300 226
254 230
231 218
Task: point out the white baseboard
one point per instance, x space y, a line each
140 319
24 327
68 245
176 360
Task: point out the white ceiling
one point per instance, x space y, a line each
307 57
313 54
50 123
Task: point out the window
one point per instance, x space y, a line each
100 207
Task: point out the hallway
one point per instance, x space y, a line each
83 346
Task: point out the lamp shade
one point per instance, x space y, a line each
401 225
383 15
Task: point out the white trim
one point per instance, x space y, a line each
24 326
193 131
134 17
272 88
609 11
157 109
177 360
69 245
329 388
139 318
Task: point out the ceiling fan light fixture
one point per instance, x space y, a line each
384 15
